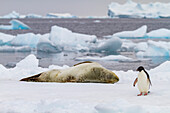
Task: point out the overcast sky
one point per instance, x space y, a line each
75 7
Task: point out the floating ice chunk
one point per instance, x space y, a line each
137 10
60 15
160 33
109 45
68 40
106 58
15 25
156 49
28 39
5 38
45 45
138 33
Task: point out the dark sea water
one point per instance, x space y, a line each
98 27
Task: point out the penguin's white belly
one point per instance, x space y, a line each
143 83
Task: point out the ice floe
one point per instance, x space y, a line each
159 33
155 49
107 46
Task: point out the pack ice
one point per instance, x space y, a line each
60 39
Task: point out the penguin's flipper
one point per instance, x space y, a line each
148 77
135 82
83 63
32 78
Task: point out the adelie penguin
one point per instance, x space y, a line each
143 81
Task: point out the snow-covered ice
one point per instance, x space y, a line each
43 97
15 25
28 39
137 10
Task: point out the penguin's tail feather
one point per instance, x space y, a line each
32 78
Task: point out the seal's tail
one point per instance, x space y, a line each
32 78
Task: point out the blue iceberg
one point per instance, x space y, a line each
15 25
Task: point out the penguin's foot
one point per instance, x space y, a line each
145 94
139 94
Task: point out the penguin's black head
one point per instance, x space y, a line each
140 68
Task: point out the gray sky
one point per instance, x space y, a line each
75 7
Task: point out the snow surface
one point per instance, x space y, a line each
33 97
15 25
136 10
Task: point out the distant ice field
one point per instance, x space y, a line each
94 26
